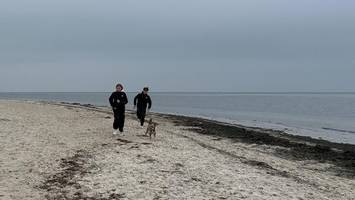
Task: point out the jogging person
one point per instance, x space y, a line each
118 101
142 101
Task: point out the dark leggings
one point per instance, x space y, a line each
141 116
119 120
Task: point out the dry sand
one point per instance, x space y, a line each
54 151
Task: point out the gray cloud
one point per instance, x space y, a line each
209 45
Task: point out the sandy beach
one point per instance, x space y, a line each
67 151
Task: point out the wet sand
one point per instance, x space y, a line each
67 151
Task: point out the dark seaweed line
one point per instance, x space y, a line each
298 148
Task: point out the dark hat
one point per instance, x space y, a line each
119 85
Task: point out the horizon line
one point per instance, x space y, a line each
225 92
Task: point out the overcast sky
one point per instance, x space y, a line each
177 45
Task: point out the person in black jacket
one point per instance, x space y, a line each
118 101
142 101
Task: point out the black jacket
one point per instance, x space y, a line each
118 101
142 101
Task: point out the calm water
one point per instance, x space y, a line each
330 116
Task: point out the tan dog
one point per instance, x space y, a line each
151 129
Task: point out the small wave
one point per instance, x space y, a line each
338 130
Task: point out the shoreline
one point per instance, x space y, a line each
196 121
302 147
57 150
236 125
227 123
333 129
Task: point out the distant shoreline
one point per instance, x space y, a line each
260 135
192 92
291 136
323 132
192 120
295 137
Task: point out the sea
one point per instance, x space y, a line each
329 116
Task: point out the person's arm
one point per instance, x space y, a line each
149 103
125 99
135 100
111 100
